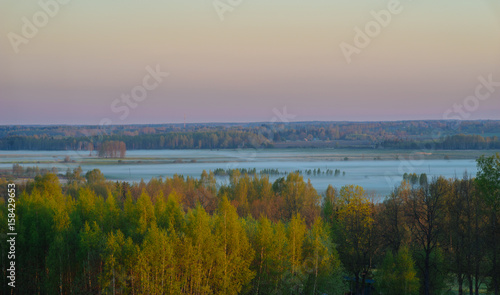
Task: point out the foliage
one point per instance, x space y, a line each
397 275
96 241
191 236
400 135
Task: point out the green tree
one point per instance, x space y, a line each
488 182
322 264
328 206
425 212
60 258
111 214
118 256
464 237
397 276
390 220
35 231
91 246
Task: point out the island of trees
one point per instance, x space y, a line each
191 236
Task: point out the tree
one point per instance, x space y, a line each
118 257
439 278
426 216
328 206
391 222
262 243
112 149
156 265
100 237
464 227
146 211
299 197
397 276
91 247
272 257
240 185
322 264
35 228
94 176
488 182
354 233
233 269
111 214
17 170
59 258
198 253
296 238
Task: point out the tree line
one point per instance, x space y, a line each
182 235
454 142
401 135
229 140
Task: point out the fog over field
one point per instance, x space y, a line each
377 171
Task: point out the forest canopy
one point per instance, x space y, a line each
250 236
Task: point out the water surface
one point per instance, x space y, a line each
377 176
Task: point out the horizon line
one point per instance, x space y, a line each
248 122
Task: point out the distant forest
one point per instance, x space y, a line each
455 135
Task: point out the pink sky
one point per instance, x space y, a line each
261 56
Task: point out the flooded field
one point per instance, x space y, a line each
378 171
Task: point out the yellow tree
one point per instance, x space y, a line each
296 238
300 197
279 257
197 253
263 242
156 263
146 212
118 256
236 253
355 224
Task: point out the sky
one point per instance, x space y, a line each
90 62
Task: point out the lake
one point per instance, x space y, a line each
377 171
